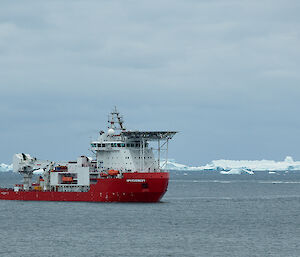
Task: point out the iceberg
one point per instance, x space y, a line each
237 171
4 167
259 165
172 165
245 166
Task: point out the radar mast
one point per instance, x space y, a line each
115 120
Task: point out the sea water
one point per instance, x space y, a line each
202 214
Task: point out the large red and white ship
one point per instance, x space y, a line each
127 167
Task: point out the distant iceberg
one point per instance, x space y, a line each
5 167
263 165
288 164
172 165
237 171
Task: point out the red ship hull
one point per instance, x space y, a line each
133 187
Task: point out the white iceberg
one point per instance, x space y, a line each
237 171
4 167
172 165
288 164
257 165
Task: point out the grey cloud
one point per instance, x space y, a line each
224 73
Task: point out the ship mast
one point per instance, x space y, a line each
115 118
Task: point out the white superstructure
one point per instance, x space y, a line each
129 151
116 151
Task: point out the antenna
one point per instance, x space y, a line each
115 118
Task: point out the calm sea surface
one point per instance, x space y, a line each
202 214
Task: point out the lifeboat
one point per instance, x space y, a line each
67 179
113 172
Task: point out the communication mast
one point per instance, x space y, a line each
115 119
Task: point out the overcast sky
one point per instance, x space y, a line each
224 73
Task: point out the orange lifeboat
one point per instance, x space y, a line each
67 179
113 172
103 174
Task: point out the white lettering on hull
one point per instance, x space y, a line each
135 180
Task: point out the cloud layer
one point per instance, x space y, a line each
223 73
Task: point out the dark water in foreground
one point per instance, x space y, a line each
201 215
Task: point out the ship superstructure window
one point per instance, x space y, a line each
117 145
98 145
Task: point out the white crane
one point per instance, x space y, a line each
26 165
